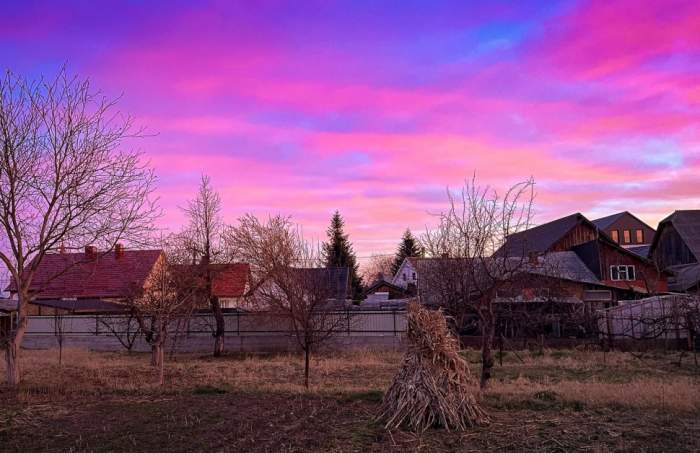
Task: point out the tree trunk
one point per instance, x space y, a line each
487 334
14 342
156 354
12 362
220 327
306 366
161 365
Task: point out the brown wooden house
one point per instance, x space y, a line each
624 272
627 230
676 248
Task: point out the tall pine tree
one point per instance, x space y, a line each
337 252
409 247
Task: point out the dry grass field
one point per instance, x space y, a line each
551 401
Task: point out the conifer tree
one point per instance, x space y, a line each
409 247
337 252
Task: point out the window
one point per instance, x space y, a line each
615 235
640 236
627 236
622 273
414 276
404 276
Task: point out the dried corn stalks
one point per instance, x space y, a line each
433 387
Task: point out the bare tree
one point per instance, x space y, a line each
376 266
64 181
58 330
465 275
202 240
124 327
290 283
168 297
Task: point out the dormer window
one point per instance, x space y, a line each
627 236
615 236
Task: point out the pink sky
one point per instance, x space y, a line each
304 108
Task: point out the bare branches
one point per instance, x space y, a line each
65 179
465 272
288 280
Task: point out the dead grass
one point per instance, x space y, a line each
537 401
575 377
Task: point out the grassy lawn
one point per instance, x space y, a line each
555 401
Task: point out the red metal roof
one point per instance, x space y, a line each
68 275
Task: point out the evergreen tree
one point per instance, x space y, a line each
337 252
409 247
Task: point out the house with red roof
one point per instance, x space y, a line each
93 281
89 281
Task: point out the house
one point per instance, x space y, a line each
624 272
230 283
554 277
330 283
628 231
676 248
8 310
384 290
89 280
407 275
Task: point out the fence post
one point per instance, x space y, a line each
393 312
97 325
238 323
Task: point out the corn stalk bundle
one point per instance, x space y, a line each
434 387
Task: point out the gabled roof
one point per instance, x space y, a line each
382 282
685 277
687 224
333 280
75 275
540 238
605 222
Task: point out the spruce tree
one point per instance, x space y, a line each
409 247
337 252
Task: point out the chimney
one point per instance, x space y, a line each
118 251
90 252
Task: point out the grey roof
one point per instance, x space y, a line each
687 223
8 305
641 250
540 238
80 304
566 265
337 279
685 277
606 221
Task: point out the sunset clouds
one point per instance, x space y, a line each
374 110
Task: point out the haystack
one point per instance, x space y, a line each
433 388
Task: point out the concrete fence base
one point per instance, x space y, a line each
204 343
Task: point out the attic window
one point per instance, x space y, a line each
640 236
622 273
615 235
627 236
404 276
